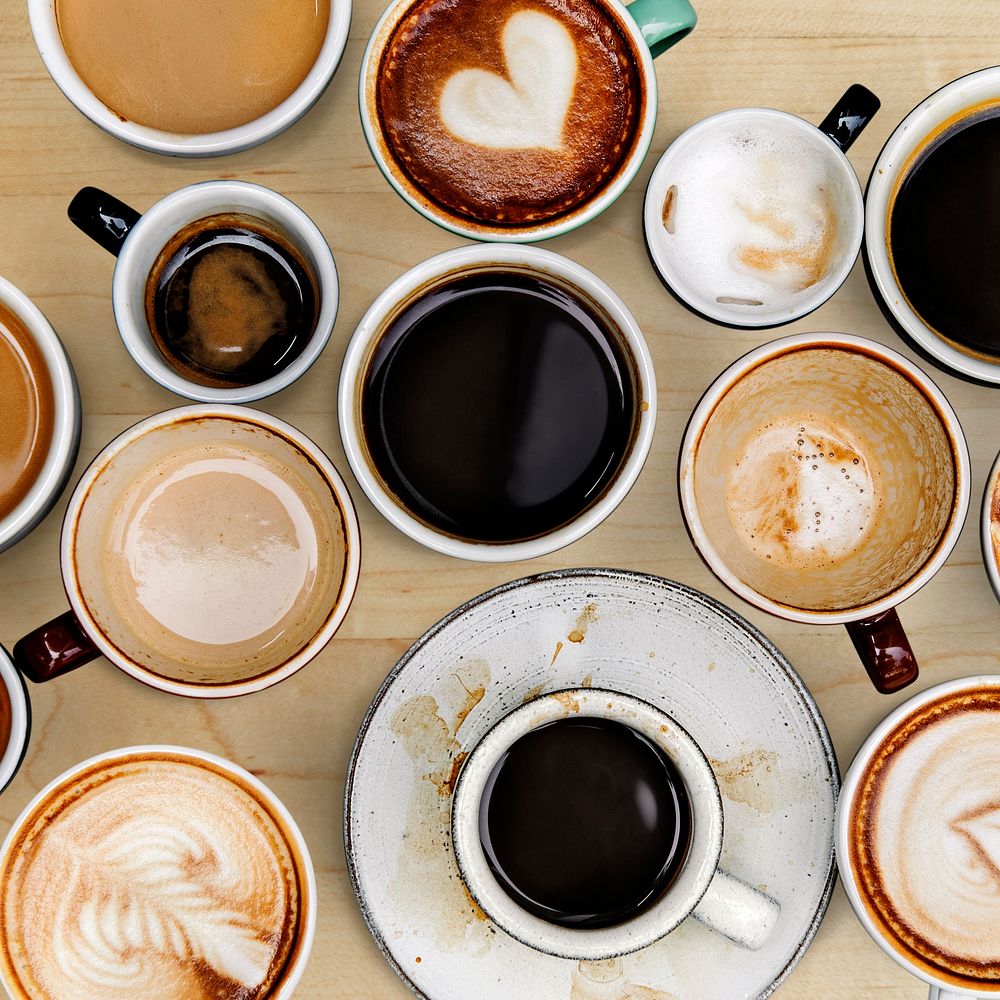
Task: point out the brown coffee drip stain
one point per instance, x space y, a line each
605 980
427 874
532 693
568 701
555 655
756 779
588 681
670 209
586 618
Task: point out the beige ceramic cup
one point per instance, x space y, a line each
825 479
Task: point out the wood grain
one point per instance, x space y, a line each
798 55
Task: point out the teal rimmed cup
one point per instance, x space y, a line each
651 26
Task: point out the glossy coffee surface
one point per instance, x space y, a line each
6 717
192 67
924 837
230 301
942 232
27 407
585 822
509 113
498 407
153 876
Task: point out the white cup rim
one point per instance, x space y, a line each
338 612
46 34
13 754
520 234
717 312
66 423
964 92
660 917
153 231
273 803
767 352
453 261
842 820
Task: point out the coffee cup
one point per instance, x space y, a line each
914 840
697 887
174 80
189 878
205 276
208 551
509 123
41 411
989 527
520 417
825 479
15 719
754 217
926 229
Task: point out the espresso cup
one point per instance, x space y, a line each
50 45
55 460
720 901
139 240
754 217
208 551
506 123
15 719
952 204
188 875
915 844
440 475
989 527
825 479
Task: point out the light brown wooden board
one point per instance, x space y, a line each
798 55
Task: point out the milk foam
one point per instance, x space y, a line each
164 880
749 215
802 492
529 110
936 838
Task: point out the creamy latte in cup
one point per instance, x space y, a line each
155 872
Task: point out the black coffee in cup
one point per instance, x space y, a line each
943 219
498 406
230 302
585 822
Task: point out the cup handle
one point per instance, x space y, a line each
663 23
104 218
737 911
849 116
54 649
885 651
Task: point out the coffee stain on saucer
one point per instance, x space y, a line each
569 703
757 779
586 618
555 655
532 693
605 980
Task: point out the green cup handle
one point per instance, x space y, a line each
663 22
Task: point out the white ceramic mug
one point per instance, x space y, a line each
94 627
720 901
410 286
269 802
136 240
940 988
923 462
13 753
50 47
66 420
829 143
909 137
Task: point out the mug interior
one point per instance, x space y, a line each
115 607
838 412
20 719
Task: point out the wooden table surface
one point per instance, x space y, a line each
798 55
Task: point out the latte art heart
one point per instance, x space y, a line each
528 110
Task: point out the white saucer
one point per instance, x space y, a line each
648 637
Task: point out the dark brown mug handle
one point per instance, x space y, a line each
885 651
54 649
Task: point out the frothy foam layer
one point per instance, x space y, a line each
160 878
750 215
802 492
926 837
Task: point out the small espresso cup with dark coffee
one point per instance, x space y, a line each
158 872
208 551
514 120
223 292
825 479
497 402
40 416
588 824
931 218
916 837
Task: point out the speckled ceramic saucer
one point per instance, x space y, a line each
648 637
